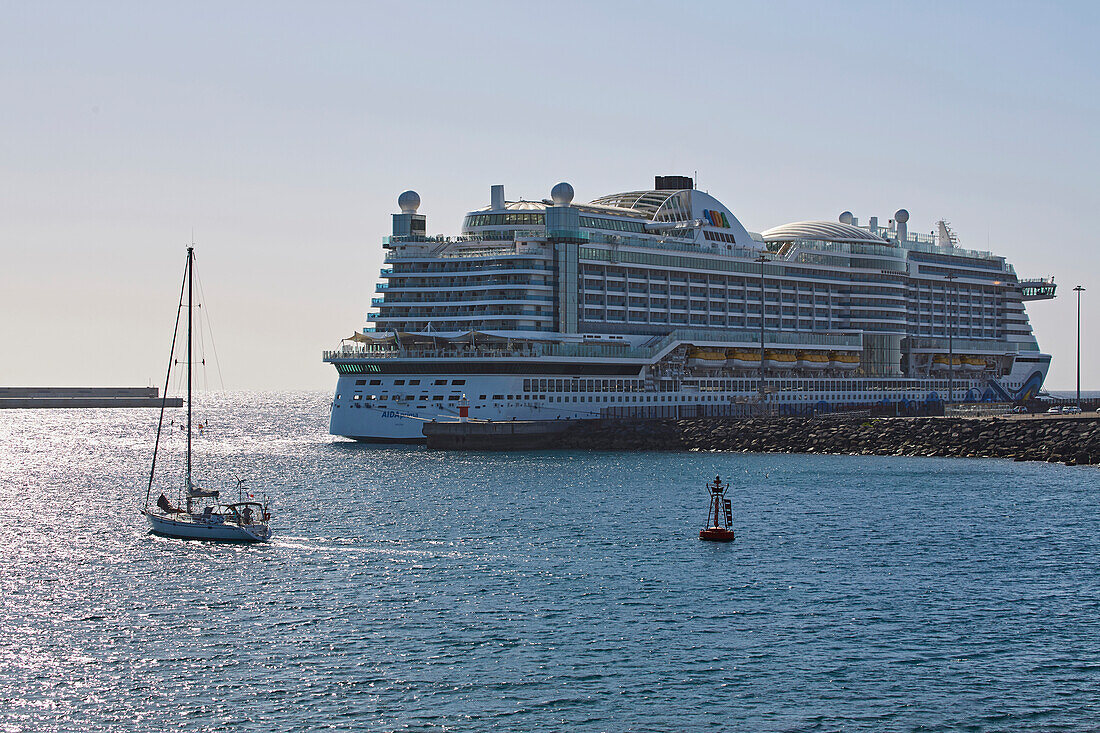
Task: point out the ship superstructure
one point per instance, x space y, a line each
660 303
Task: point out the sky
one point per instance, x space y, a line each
277 137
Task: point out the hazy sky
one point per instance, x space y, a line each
281 135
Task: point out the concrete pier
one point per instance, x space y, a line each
70 397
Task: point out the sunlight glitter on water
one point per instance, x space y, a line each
408 588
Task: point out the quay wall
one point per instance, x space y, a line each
1074 440
504 435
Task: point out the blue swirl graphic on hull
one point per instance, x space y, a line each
1027 391
1031 386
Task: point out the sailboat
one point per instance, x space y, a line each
201 517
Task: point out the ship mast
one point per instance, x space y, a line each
190 278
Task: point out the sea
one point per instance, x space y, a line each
414 590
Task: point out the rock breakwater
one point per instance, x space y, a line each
1075 441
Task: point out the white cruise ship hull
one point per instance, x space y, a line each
363 416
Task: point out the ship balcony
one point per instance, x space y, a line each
394 299
479 268
463 315
480 287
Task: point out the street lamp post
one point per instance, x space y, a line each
762 259
1079 289
950 341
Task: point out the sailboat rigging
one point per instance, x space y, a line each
243 521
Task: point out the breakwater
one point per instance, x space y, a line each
72 397
1063 439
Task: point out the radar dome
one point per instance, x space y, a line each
562 194
846 217
901 216
409 202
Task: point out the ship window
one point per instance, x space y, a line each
453 397
423 397
413 381
437 398
458 381
376 381
360 381
357 397
481 397
441 381
398 381
498 397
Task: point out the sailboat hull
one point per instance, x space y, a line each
199 530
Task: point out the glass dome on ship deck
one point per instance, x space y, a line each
593 207
822 231
655 205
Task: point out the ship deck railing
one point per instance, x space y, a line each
521 238
648 351
941 344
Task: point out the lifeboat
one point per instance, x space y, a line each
843 360
812 360
940 362
719 526
779 359
706 359
973 363
742 359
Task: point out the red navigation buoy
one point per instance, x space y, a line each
719 526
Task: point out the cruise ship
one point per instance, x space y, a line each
659 303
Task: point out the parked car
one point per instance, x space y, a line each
1056 410
1071 410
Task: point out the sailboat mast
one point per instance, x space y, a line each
167 382
190 278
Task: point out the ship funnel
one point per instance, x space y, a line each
496 198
